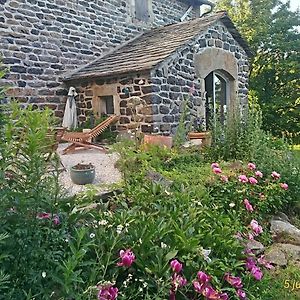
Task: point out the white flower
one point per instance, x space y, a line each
92 235
140 241
44 274
163 245
231 204
206 253
119 228
103 222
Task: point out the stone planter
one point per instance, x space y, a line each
159 140
82 174
205 136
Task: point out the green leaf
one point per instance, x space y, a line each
171 255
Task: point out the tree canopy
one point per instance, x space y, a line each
272 31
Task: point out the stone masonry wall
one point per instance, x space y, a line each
176 79
123 88
41 40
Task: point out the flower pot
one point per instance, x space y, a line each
159 140
205 136
82 174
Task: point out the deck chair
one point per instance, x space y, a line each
81 139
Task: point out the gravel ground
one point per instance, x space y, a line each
106 173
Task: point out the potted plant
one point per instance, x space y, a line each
82 173
199 132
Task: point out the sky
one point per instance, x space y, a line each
295 4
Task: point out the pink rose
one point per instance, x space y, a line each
127 258
284 186
243 179
176 266
248 205
251 166
275 175
217 170
259 174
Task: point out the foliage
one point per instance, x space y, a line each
272 31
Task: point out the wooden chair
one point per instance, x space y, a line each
81 139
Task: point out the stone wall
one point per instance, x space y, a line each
178 77
40 40
123 89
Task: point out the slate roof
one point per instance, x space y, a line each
152 47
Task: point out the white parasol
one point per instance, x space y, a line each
70 115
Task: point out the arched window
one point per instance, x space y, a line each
217 88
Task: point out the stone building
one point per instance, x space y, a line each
111 50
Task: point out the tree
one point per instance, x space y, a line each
272 31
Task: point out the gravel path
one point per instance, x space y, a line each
106 173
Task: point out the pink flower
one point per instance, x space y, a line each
176 266
217 170
211 294
284 186
248 205
250 236
243 179
257 229
275 175
252 180
256 273
259 174
250 263
127 258
251 166
262 261
241 294
234 281
56 220
215 165
224 178
178 282
43 215
199 287
203 277
107 292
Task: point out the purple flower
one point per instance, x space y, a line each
284 186
107 292
234 281
215 165
211 294
217 170
203 277
251 166
257 273
43 215
275 175
127 258
263 262
250 263
178 281
248 205
252 180
257 229
243 179
56 220
199 287
176 266
241 294
259 174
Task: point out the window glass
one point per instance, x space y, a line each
107 105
